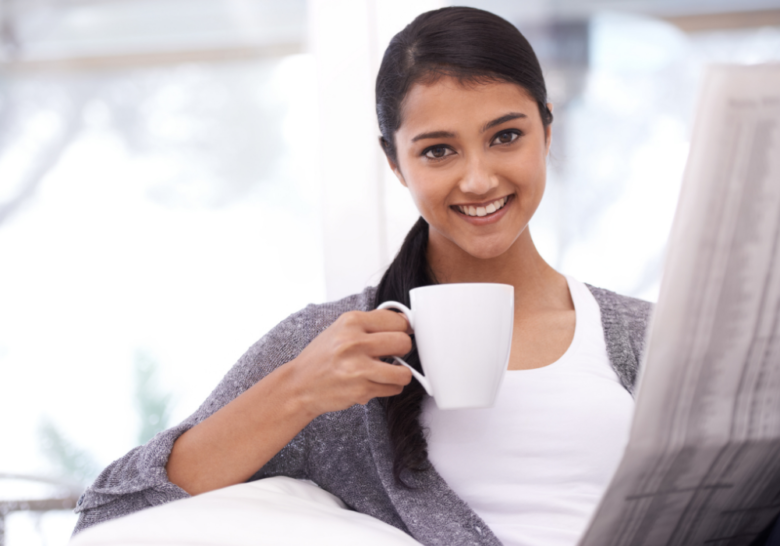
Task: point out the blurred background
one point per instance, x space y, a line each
177 176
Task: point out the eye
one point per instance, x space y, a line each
437 152
506 137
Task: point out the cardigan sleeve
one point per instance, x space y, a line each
139 479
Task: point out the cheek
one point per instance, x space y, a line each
528 171
428 188
424 199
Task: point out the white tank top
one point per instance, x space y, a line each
535 465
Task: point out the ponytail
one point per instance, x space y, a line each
409 270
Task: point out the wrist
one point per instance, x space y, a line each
292 397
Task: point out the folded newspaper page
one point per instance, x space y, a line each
702 465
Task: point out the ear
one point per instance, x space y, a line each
396 171
391 163
548 131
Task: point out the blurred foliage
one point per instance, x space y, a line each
153 407
71 462
152 403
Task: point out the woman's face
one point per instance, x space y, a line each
474 159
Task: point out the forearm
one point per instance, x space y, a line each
338 369
228 447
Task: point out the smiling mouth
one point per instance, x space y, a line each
487 210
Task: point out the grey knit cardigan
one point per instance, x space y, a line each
347 453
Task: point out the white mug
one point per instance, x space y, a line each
463 334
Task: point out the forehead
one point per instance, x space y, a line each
448 102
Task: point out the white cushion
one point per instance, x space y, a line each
276 511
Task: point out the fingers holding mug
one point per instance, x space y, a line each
382 319
404 310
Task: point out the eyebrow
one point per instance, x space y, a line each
434 134
503 119
449 134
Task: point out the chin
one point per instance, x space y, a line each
486 252
486 247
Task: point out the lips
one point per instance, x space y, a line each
484 210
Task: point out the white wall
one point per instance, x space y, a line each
366 212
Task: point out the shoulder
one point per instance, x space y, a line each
283 343
625 321
295 332
309 322
631 309
317 317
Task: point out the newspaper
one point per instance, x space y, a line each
702 465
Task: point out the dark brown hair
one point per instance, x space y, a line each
471 45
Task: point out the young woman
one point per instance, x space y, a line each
466 128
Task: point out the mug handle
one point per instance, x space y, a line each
410 317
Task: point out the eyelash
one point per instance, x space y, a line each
429 149
515 132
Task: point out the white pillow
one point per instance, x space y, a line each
276 511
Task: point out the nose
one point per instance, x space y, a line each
479 178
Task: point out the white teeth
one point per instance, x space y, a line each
483 211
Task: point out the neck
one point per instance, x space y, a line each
537 285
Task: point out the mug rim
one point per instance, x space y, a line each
461 284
